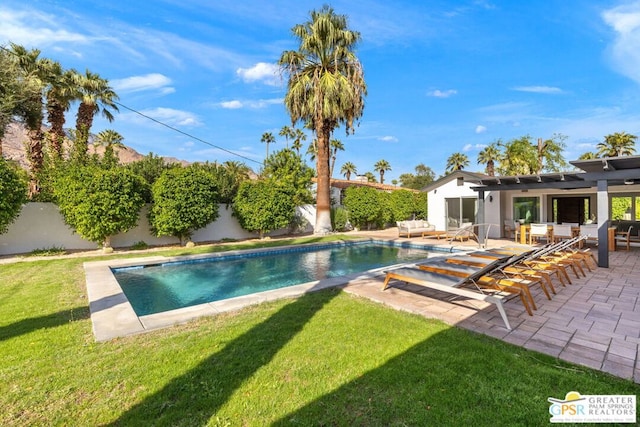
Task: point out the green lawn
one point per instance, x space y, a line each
324 359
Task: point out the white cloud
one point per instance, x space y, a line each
388 138
261 72
34 28
141 83
253 104
171 116
538 89
437 93
231 105
481 129
470 147
625 50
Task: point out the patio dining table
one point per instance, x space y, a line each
575 231
524 231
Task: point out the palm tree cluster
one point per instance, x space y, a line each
296 135
381 167
42 84
520 156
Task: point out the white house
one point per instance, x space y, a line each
453 203
561 197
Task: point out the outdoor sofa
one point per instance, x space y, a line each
415 227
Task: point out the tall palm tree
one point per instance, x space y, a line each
287 132
347 169
381 167
298 137
457 161
13 90
268 138
336 145
61 91
326 88
33 70
488 156
617 144
95 96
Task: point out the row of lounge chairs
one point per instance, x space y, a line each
496 274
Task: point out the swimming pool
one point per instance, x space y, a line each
172 285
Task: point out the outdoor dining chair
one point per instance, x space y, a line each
537 231
562 232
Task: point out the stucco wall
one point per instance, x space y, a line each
40 226
451 189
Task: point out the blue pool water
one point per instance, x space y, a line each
158 288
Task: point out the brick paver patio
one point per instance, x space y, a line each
593 322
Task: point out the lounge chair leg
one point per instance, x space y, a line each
565 274
386 282
503 314
524 302
527 292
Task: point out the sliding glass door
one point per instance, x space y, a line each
461 210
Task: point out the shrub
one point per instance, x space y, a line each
364 206
262 207
99 203
13 193
287 170
339 218
420 205
402 205
184 200
53 250
139 245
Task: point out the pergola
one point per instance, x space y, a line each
598 173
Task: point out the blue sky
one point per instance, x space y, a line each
443 76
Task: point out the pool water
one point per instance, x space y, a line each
158 288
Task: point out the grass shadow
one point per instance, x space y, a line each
449 380
196 396
25 326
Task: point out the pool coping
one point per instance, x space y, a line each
112 315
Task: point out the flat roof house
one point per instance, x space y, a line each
577 197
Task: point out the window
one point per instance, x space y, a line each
621 208
526 209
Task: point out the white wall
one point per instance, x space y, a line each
450 189
41 226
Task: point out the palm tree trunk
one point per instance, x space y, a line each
323 191
56 133
83 125
36 159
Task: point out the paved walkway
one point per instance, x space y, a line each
593 322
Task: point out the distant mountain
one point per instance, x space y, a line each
13 148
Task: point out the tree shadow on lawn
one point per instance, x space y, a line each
446 380
25 326
199 393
